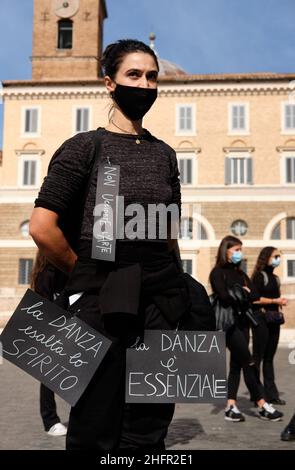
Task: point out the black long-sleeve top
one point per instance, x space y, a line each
148 175
267 285
222 278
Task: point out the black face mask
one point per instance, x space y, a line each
134 101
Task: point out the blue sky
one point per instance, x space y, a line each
202 36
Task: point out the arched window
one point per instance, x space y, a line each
201 232
24 228
276 232
186 228
284 229
65 34
290 228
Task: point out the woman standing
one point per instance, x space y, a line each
144 287
226 273
266 337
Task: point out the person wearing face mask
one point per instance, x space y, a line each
266 337
143 286
225 275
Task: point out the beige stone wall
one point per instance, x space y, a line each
57 125
212 133
12 216
211 138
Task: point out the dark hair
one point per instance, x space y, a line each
114 54
39 266
262 260
227 242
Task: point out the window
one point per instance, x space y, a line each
186 167
238 170
31 122
290 169
288 117
28 170
276 232
82 119
238 118
291 268
291 228
185 119
201 232
24 229
29 173
187 265
186 228
239 228
24 271
65 34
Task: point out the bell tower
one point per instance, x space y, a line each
67 39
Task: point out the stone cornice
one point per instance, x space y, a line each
176 86
30 152
238 149
283 148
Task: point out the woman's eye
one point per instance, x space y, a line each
153 77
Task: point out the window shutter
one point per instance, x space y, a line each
227 170
34 120
33 173
189 178
289 229
249 171
86 120
242 123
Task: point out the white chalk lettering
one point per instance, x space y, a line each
190 386
194 343
35 313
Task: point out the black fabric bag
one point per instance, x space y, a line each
274 316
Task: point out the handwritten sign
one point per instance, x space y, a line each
60 351
178 367
105 213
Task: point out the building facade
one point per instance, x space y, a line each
234 136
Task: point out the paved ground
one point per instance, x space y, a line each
193 427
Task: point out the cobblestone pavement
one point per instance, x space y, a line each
193 427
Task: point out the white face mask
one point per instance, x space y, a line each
275 261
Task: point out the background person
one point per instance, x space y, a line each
266 337
226 273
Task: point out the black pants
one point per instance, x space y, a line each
101 420
265 343
48 408
237 341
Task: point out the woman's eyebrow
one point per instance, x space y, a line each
141 71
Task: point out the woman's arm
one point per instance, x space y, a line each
50 239
281 301
219 286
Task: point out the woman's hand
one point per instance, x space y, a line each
281 301
247 289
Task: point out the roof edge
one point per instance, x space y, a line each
169 79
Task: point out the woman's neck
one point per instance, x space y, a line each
119 123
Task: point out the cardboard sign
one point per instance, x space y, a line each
105 213
60 351
177 367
